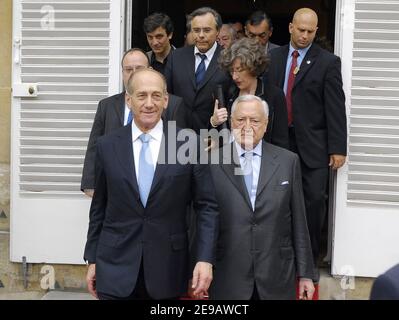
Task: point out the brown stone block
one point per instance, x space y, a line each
5 125
6 42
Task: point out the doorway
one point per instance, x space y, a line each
280 11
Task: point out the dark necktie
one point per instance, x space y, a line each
290 85
200 73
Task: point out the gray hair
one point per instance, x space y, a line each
204 10
231 30
250 97
252 55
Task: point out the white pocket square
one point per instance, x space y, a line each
284 183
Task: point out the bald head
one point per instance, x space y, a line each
307 14
303 28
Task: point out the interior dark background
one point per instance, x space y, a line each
280 11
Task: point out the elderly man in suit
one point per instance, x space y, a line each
263 244
192 72
113 113
137 243
312 82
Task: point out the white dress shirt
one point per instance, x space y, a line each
301 56
126 115
256 162
155 144
209 55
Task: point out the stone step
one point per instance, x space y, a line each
65 295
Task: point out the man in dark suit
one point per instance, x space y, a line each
312 81
259 26
158 28
386 286
113 113
263 243
137 246
192 72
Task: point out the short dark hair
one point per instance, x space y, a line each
204 10
133 50
156 20
257 17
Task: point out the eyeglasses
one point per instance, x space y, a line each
237 70
262 35
204 30
130 69
241 122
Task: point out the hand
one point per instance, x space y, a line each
211 144
219 115
202 278
89 192
190 290
91 280
336 161
306 289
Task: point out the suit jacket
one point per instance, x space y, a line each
180 77
122 233
277 128
110 116
386 286
318 103
272 46
269 246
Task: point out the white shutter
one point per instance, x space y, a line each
366 233
374 117
69 51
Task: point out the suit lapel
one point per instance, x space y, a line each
307 63
190 63
212 68
268 168
282 65
231 167
120 107
124 153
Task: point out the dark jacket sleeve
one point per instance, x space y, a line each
97 130
334 99
207 211
301 239
97 210
277 131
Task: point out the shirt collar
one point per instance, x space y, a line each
257 150
155 133
154 59
209 54
302 52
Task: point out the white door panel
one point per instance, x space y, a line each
366 235
68 53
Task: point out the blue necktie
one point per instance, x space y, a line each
146 168
129 117
200 73
248 156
